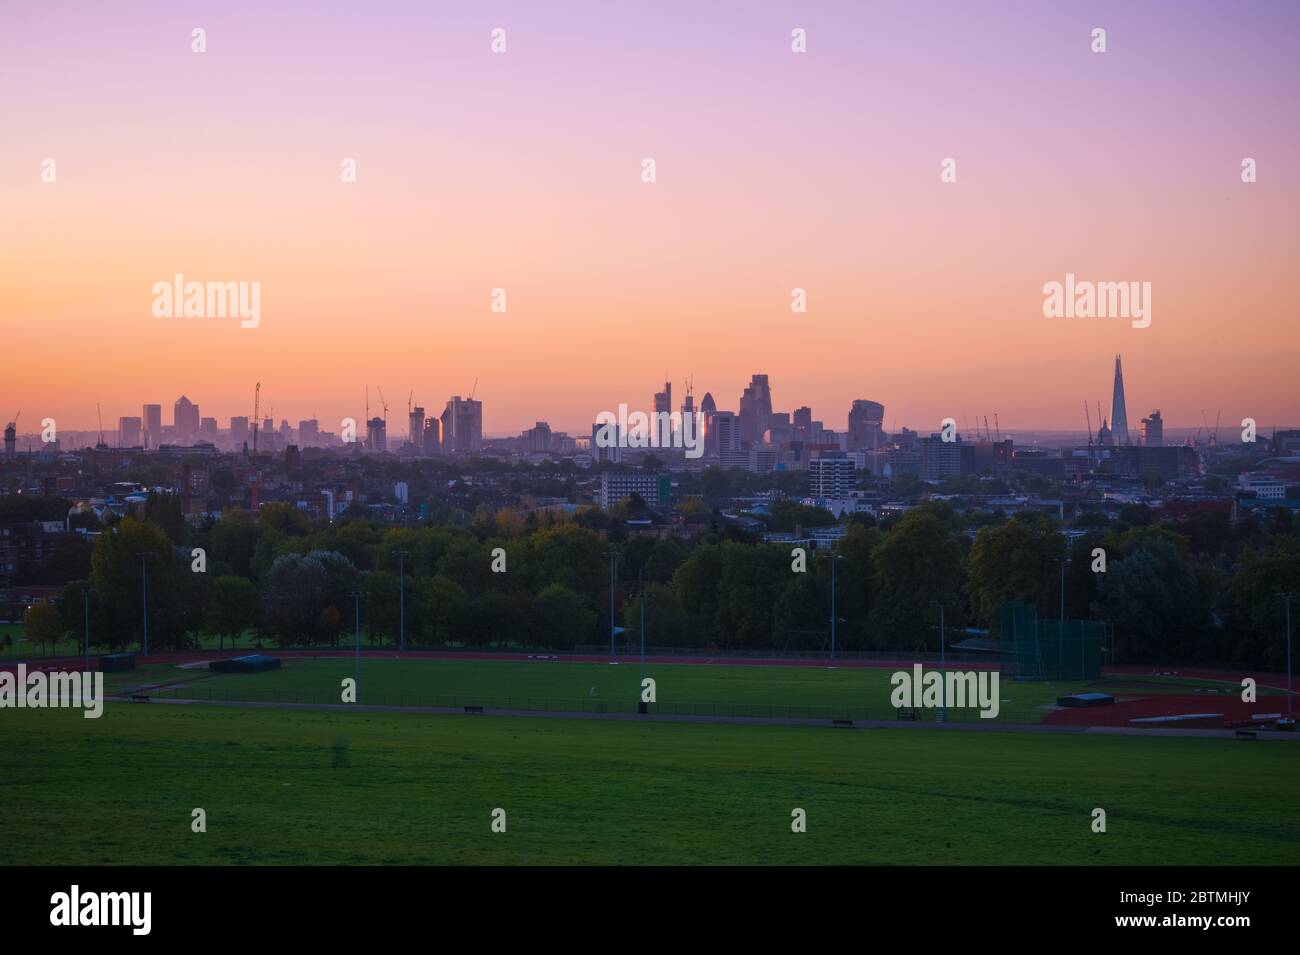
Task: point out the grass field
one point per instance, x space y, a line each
798 691
329 787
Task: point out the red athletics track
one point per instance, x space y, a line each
1126 708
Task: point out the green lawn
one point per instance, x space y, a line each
337 787
799 691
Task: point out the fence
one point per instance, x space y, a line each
1052 649
595 705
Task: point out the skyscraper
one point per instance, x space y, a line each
1153 430
376 435
128 432
185 420
152 426
866 424
726 427
462 425
238 432
801 424
415 427
755 409
709 409
664 399
606 444
1118 413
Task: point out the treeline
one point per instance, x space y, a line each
1202 591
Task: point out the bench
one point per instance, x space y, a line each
473 709
842 724
139 697
1247 734
910 713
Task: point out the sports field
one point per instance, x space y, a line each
335 787
561 685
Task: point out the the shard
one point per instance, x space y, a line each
1118 413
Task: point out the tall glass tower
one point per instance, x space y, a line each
1118 413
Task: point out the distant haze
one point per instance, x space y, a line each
775 171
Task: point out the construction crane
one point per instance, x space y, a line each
100 415
474 389
1211 434
1087 414
997 426
408 403
385 406
257 407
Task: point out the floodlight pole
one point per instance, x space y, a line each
1060 633
87 635
1287 597
356 664
833 558
613 563
401 599
642 580
144 598
943 665
943 669
1063 563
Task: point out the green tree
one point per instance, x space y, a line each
43 625
72 608
1017 561
917 565
563 619
234 540
1256 609
233 607
1153 600
299 586
117 575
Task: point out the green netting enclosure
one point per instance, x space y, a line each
1049 649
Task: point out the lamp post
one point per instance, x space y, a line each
1060 633
834 559
356 659
144 598
641 578
613 564
88 591
401 599
943 668
1287 597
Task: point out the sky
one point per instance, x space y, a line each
775 170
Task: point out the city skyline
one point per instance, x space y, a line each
397 425
522 172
